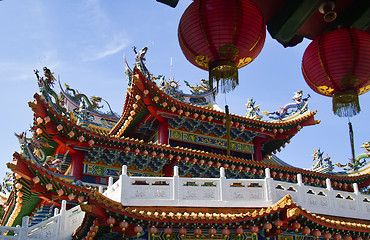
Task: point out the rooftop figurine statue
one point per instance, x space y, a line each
300 105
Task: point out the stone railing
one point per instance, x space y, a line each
222 192
59 227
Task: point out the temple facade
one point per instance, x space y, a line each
173 166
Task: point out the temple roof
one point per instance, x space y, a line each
71 135
146 104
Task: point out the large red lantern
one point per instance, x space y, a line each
336 65
221 36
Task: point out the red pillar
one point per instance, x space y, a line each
77 165
257 155
163 132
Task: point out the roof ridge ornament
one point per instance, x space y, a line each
290 110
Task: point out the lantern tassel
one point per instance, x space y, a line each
226 75
351 141
227 130
346 103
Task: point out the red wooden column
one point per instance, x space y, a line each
77 164
257 155
163 132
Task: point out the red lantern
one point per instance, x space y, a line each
278 223
225 232
182 231
316 233
267 226
337 236
123 225
221 36
296 226
306 230
138 229
111 221
239 231
93 229
358 238
254 229
168 231
337 64
212 231
347 237
326 235
198 232
153 230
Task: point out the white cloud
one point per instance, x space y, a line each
103 40
117 44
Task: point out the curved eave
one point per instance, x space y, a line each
33 193
101 207
149 99
27 170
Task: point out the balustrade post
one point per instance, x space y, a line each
62 218
56 211
301 194
125 184
23 233
359 200
223 187
299 179
124 170
355 188
175 183
328 184
270 195
110 181
330 196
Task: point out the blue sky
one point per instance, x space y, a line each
83 42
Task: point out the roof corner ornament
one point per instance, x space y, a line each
290 110
140 61
359 161
139 64
252 110
321 164
199 89
45 87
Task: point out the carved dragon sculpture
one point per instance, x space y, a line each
359 161
93 104
290 109
45 85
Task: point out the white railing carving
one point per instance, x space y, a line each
222 192
58 227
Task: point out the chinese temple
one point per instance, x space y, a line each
176 166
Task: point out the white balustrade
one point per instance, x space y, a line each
222 192
59 227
